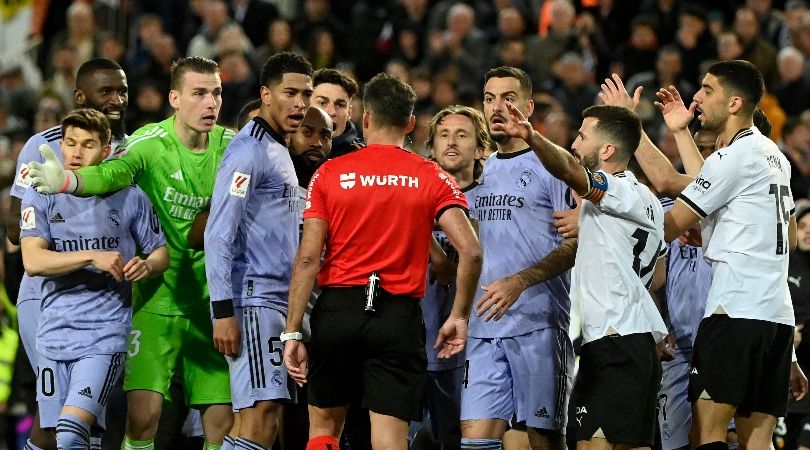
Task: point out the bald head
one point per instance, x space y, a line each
313 139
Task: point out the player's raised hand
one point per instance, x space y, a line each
452 337
499 297
137 269
676 115
518 126
48 177
110 262
615 94
227 336
296 359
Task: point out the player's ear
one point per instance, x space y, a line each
173 98
735 104
105 151
529 108
607 151
410 125
79 97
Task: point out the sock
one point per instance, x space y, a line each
229 443
131 444
718 445
481 444
30 446
247 444
72 433
734 446
325 442
95 442
209 446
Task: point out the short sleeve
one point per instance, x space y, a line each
34 216
30 152
617 195
719 181
448 194
315 206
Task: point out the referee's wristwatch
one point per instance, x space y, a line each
294 336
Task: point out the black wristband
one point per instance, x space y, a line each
222 309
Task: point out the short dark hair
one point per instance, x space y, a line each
93 65
512 72
741 78
243 118
90 120
620 126
281 63
196 64
763 124
333 76
390 100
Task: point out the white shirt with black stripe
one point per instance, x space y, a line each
621 232
743 198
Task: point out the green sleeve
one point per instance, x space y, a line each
114 174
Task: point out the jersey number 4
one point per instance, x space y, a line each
779 193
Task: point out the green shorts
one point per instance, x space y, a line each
160 345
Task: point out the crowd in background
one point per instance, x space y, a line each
441 47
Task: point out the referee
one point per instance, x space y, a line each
374 211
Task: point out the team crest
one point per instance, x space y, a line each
114 218
276 379
525 180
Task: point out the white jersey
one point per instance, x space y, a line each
743 198
621 232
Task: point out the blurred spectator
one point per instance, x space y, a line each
511 24
638 55
410 21
149 105
22 97
232 39
793 89
694 40
50 112
798 273
215 20
79 34
400 69
729 46
572 86
409 47
162 53
239 82
668 67
512 53
457 50
443 93
561 38
279 39
756 49
794 11
111 47
771 21
665 13
148 27
421 82
665 140
557 128
796 147
253 16
717 22
318 15
63 69
10 125
322 53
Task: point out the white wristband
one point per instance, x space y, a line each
295 336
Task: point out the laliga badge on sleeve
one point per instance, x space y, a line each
239 185
28 219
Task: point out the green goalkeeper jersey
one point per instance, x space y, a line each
179 183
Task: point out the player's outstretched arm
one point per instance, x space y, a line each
305 270
558 161
453 333
155 264
656 166
502 294
39 261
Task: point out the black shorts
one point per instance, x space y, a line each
377 357
616 390
742 362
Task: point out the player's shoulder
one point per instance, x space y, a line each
148 135
221 136
50 137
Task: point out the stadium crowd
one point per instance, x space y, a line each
456 61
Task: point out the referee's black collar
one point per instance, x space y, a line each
278 137
741 134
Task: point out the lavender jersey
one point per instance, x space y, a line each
513 205
87 312
252 233
438 301
688 280
30 286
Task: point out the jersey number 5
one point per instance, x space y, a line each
782 216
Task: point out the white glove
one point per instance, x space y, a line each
50 177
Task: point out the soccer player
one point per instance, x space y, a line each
101 85
311 144
621 238
743 201
250 240
520 363
333 92
365 345
457 138
85 250
175 163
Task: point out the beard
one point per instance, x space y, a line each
499 137
591 160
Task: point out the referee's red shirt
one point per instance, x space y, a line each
380 203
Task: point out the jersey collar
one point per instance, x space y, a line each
500 155
741 134
278 137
